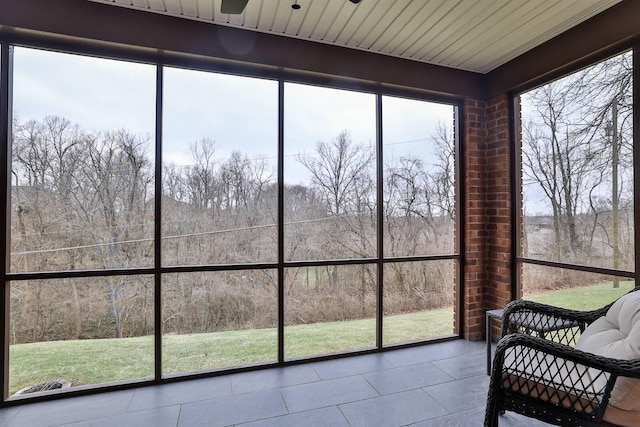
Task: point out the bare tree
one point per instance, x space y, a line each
199 178
575 135
341 174
336 169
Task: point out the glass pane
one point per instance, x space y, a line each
418 300
212 320
419 177
219 179
574 289
329 309
82 162
577 167
76 332
329 173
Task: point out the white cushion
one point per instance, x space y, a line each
617 335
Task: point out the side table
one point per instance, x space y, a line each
491 314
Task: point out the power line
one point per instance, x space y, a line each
180 236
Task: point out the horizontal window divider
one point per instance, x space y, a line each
421 258
217 267
318 263
78 274
586 268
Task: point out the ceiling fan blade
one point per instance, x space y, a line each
233 7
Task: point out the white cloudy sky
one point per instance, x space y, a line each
239 113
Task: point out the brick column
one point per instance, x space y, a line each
487 211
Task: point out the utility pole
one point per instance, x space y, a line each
614 188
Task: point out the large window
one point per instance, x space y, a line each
330 200
577 224
81 200
166 221
418 218
220 141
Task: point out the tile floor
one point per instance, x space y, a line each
442 384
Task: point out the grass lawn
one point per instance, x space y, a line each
587 298
106 360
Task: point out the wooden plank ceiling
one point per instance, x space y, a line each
472 35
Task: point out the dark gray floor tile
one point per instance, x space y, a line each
407 378
432 352
326 393
7 414
324 417
393 410
475 418
472 418
231 410
511 419
157 417
72 409
461 395
272 378
331 369
464 366
180 392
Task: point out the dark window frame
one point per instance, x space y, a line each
157 270
518 260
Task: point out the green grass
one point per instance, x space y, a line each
585 298
105 360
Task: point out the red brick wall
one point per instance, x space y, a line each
487 211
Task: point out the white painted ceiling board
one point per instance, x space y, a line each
427 29
503 50
448 28
474 35
397 28
468 32
372 24
157 5
496 27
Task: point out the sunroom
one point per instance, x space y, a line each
191 194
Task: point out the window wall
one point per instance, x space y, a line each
577 174
82 173
166 221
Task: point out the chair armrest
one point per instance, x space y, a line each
617 367
517 310
531 317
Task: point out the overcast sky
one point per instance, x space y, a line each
239 113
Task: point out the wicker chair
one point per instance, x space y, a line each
538 373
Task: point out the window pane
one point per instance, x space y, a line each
219 179
571 288
577 167
213 320
329 309
418 300
82 331
329 173
82 165
419 177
